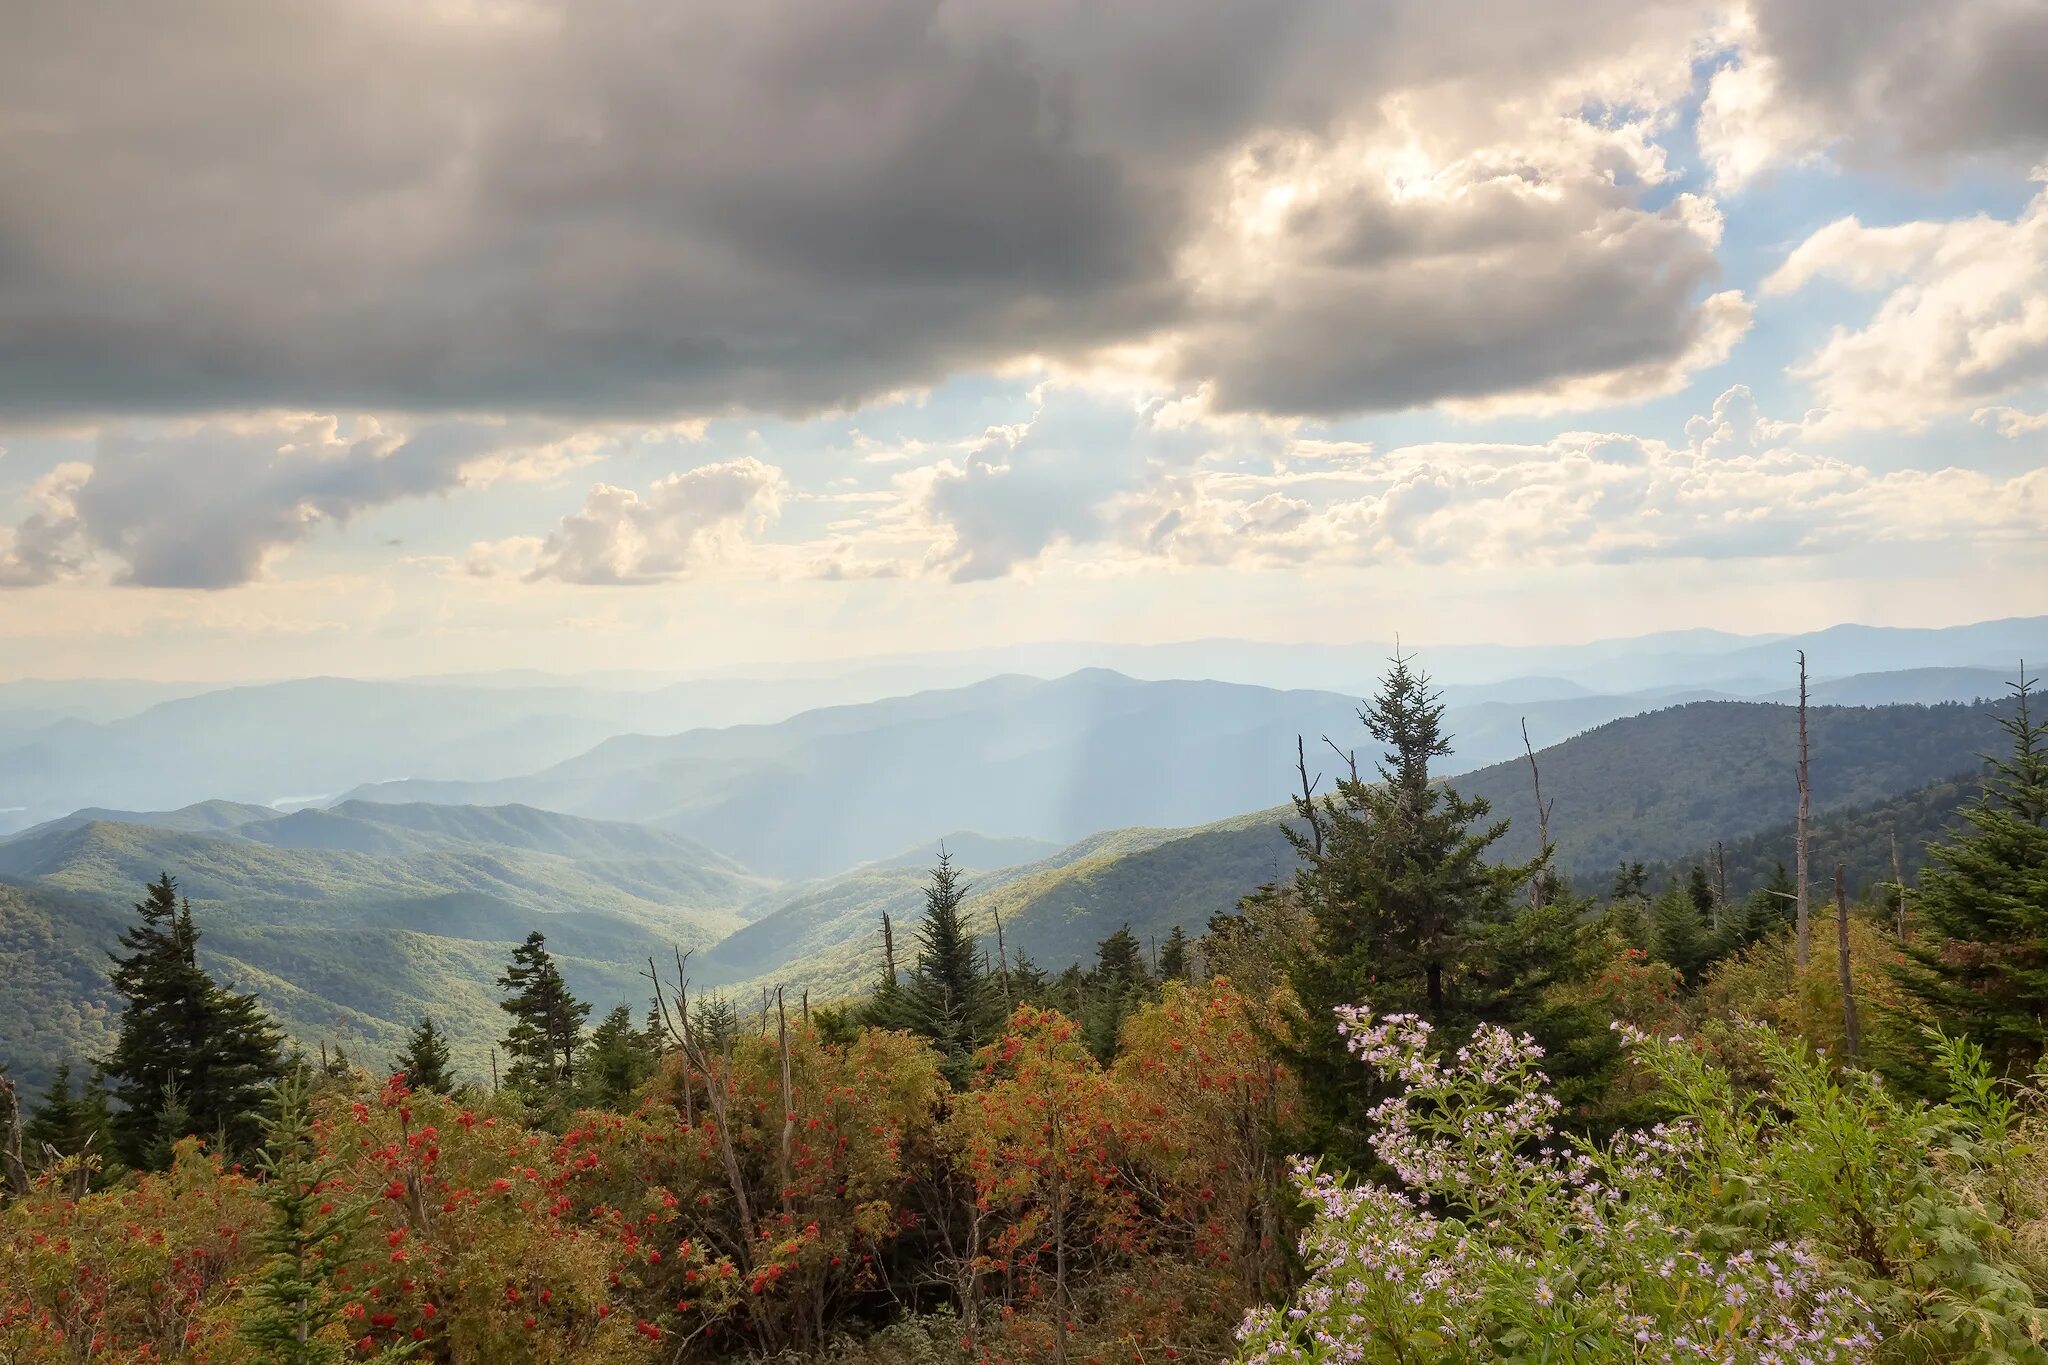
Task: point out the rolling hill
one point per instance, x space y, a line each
1705 771
352 921
1671 782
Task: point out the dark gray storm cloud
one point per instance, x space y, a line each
643 207
1905 78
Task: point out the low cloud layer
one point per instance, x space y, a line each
1741 486
682 522
208 505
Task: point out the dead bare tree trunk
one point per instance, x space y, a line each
717 1094
1899 886
1003 961
1720 883
1802 921
788 1104
889 948
1539 884
10 1139
1852 1026
494 1071
1306 802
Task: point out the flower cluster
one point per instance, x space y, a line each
1504 1240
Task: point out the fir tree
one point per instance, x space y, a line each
214 1051
948 999
714 1022
1701 891
616 1061
1397 885
1679 934
1114 991
1630 879
61 1120
425 1059
1118 964
1981 958
547 1021
1173 956
297 1295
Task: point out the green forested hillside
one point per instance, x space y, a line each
351 924
1859 837
1670 782
1651 787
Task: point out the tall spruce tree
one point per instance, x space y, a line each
1980 958
617 1060
547 1021
1398 888
61 1120
425 1059
948 998
1173 956
189 1051
1114 991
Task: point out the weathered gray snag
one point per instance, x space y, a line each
1803 918
1852 1026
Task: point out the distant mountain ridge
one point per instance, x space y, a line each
133 745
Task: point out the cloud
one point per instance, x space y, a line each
1738 487
1879 84
655 208
1964 317
1389 274
211 504
2011 423
684 522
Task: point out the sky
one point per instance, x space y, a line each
404 336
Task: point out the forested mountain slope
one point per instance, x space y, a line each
1655 787
1859 837
1670 782
352 923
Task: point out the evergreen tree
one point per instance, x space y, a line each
948 998
213 1051
616 1061
298 1294
172 1125
714 1022
1118 963
547 1021
1981 958
425 1059
1114 991
1173 956
1630 879
1679 934
1628 921
1397 885
1701 892
61 1120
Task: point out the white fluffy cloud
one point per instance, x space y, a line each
1964 317
1897 84
1739 487
681 524
209 505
